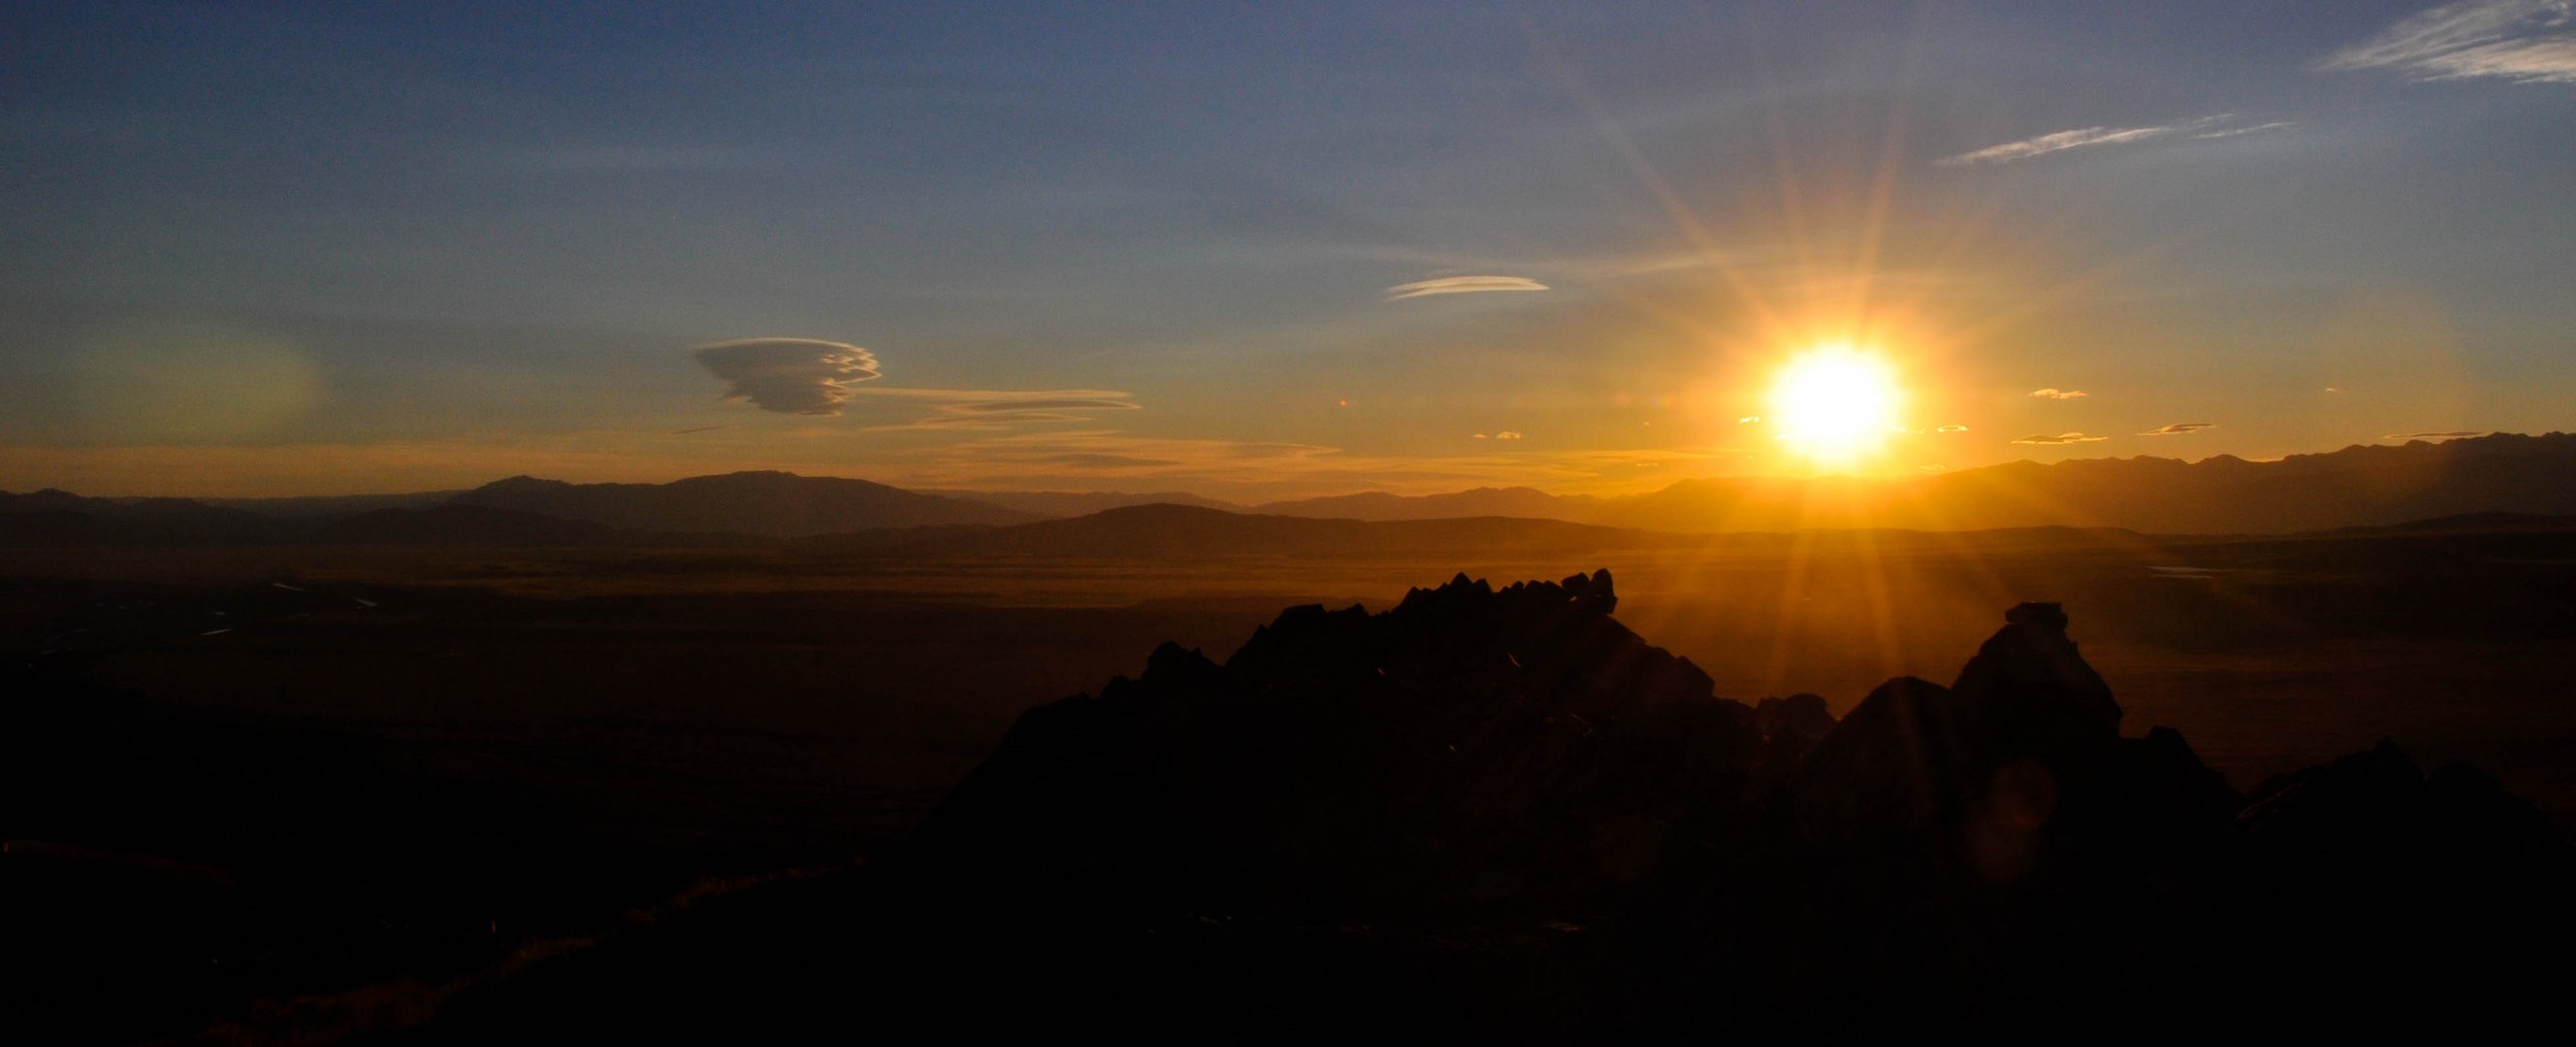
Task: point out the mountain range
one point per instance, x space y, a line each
2359 486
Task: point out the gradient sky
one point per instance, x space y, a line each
282 249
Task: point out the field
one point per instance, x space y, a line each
284 779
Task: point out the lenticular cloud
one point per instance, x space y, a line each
790 375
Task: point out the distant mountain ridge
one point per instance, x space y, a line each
2358 486
1482 501
2497 478
768 504
1060 504
1151 531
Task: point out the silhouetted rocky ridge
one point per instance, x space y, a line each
1499 815
1514 773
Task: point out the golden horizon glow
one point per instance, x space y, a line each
1836 404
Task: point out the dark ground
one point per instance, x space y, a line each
279 811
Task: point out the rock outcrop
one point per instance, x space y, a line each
1470 746
1500 816
1533 791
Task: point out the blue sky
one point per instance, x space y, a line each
291 248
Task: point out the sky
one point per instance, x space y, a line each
1261 250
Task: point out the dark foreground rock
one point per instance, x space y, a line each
1500 815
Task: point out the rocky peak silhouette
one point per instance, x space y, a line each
1476 762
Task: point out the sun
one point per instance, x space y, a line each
1836 404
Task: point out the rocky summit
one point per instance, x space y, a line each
1499 815
1512 780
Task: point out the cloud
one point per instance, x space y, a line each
2231 132
994 410
2432 436
2059 394
1507 435
2061 438
1951 429
1748 419
2090 137
1092 460
699 429
2523 41
1462 285
2179 428
813 377
789 375
1043 403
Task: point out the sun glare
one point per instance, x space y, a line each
1836 404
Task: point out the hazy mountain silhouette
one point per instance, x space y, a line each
2484 482
1147 531
1061 504
51 517
772 504
1482 501
2362 485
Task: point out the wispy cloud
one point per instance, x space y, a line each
994 410
2061 438
2179 428
2053 393
1462 285
789 375
2433 436
810 376
2524 41
2231 132
1951 429
2217 126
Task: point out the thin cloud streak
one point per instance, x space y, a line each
2061 438
2054 393
1461 285
2461 435
2179 428
2523 41
2276 125
2091 137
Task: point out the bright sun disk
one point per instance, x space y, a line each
1836 404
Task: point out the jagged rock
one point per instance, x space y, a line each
1467 747
1989 857
2031 664
1798 716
